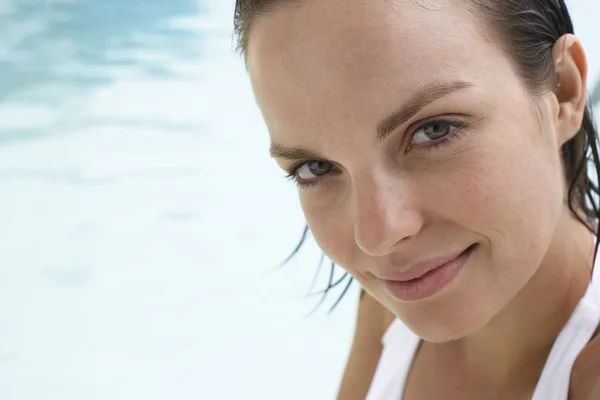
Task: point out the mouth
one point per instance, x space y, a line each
430 282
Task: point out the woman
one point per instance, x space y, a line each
439 148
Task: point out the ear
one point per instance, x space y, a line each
571 68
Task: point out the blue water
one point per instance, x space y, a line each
141 219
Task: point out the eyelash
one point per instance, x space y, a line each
303 184
458 124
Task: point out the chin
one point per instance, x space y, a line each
444 323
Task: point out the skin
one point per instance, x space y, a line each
326 73
371 323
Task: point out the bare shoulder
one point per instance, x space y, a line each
384 316
371 323
585 376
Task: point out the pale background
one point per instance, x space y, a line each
141 220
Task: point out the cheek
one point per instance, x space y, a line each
331 226
511 196
506 186
510 201
507 195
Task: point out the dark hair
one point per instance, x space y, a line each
528 31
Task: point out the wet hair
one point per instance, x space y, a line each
527 31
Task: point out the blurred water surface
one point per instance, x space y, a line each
141 218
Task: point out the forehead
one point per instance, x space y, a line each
332 22
347 55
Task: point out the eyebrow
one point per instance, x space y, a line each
292 153
424 96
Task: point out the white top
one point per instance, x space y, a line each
400 345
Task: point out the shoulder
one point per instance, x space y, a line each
372 321
585 376
378 317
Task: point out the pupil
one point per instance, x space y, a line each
437 131
319 168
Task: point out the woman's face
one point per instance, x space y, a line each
413 141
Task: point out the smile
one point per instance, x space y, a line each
427 279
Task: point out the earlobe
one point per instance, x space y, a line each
570 65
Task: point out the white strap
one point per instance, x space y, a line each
555 379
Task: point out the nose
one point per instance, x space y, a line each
385 214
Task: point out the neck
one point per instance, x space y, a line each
510 348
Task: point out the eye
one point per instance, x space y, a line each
312 170
433 131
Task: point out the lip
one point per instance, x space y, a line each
424 279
